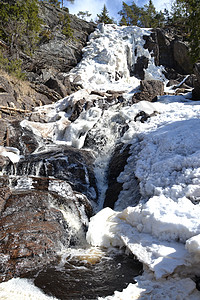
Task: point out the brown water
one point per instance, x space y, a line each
80 278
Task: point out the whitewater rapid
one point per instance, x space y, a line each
163 230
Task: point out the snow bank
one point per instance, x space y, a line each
163 230
21 289
165 289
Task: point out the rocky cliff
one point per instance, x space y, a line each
46 68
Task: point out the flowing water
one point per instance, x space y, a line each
87 274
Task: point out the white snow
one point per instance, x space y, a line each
12 153
112 51
21 289
163 230
147 288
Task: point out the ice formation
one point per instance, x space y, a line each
12 153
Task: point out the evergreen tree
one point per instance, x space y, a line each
55 3
104 17
178 16
160 19
131 14
65 24
191 15
146 16
149 15
123 21
19 23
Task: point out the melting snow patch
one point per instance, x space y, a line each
21 289
166 289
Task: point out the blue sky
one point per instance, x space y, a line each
95 6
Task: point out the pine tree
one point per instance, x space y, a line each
104 17
192 18
55 2
149 15
19 22
130 14
146 16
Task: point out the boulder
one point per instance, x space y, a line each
32 224
51 95
182 60
75 166
149 91
56 85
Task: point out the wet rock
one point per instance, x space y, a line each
3 161
116 166
190 80
30 232
11 134
150 89
70 87
172 82
142 116
75 166
32 225
77 109
140 66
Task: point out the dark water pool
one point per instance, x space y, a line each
79 279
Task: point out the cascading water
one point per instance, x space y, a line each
107 120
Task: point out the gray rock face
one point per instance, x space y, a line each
58 53
149 90
169 50
181 57
116 166
140 66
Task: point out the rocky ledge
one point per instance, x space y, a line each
33 228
